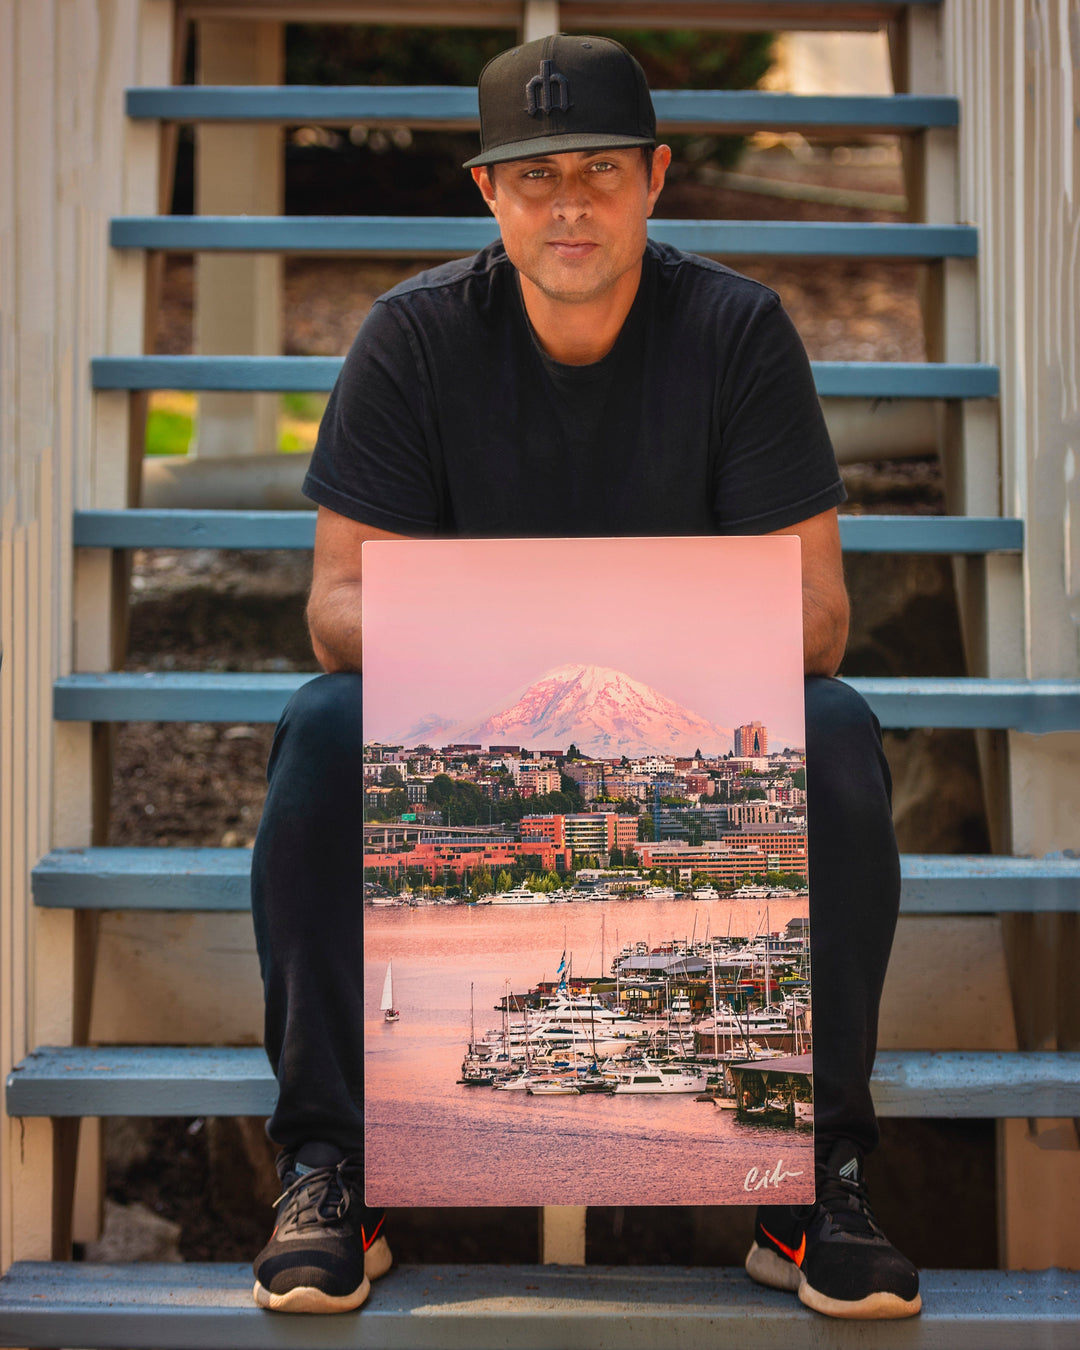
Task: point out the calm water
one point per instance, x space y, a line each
432 1142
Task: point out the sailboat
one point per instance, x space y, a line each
386 1005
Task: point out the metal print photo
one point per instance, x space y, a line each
586 912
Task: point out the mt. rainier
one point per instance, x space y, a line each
604 712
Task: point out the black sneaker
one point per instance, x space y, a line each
833 1254
327 1246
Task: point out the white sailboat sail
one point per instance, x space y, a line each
387 1002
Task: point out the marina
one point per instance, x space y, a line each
590 1074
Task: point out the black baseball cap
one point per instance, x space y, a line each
562 93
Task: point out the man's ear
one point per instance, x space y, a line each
482 179
661 160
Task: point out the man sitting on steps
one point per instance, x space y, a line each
573 379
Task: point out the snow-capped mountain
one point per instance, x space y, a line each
432 729
604 712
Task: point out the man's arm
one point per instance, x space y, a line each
825 601
333 611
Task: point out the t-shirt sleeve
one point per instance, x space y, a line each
373 457
776 465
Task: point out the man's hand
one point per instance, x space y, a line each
333 611
825 601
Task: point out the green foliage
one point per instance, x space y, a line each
381 54
646 831
792 880
685 59
615 857
391 777
798 779
305 407
168 432
481 882
503 881
679 58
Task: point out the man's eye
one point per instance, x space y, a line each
601 166
536 173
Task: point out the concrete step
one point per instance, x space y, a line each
205 1307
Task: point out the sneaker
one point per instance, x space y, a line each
833 1254
327 1246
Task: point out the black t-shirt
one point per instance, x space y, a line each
449 419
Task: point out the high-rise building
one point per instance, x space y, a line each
751 741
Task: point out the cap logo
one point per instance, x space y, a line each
547 92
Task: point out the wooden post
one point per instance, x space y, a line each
70 160
562 1227
539 19
562 1235
239 170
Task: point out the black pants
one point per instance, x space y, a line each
307 898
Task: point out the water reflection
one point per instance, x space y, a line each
432 1142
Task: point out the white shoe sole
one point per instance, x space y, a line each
305 1298
766 1267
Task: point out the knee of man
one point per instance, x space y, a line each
328 712
837 717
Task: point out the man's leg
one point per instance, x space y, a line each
307 892
854 902
307 878
833 1253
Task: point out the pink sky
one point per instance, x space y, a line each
461 627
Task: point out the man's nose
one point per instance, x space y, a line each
571 203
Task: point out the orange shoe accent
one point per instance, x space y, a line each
792 1254
369 1240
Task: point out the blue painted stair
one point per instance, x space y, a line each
186 528
316 374
218 879
206 1307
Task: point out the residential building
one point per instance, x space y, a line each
537 782
588 774
751 740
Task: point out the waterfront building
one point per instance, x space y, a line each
718 861
584 832
784 844
435 858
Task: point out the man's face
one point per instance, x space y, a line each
574 224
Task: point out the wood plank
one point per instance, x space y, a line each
454 106
582 15
1036 706
202 1307
448 236
214 1081
315 374
180 528
218 879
